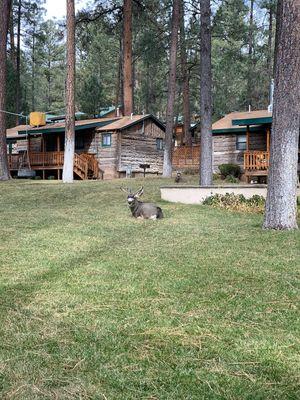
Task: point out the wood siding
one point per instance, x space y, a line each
225 152
138 146
107 156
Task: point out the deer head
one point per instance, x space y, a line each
133 197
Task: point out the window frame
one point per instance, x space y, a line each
106 135
241 145
160 144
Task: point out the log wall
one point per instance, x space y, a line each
138 146
107 156
225 152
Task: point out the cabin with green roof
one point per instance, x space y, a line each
241 138
104 147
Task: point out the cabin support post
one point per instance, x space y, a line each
28 149
58 150
268 139
248 138
247 150
43 154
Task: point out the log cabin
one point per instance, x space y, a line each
241 138
104 148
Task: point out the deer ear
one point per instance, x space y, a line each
139 192
124 190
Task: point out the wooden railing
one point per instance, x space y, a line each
186 156
80 166
84 164
49 159
256 160
93 165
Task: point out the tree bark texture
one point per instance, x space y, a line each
250 54
119 86
128 79
270 46
205 95
167 165
70 96
18 61
4 23
281 209
185 80
12 40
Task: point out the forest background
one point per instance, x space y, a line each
242 57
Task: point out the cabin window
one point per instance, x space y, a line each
106 139
241 142
159 144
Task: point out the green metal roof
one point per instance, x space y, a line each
49 129
252 121
237 131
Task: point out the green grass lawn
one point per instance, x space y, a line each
97 305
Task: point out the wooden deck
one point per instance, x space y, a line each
256 160
256 163
85 165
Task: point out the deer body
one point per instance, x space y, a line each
139 209
143 210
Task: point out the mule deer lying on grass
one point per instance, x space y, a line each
178 177
140 209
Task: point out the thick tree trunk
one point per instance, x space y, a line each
70 96
119 97
250 54
270 46
128 81
4 21
167 166
18 62
185 80
49 106
33 70
206 96
12 41
281 209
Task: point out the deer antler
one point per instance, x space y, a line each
126 190
139 192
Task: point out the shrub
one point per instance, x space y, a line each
236 202
231 179
230 169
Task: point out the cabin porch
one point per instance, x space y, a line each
85 165
45 155
256 162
